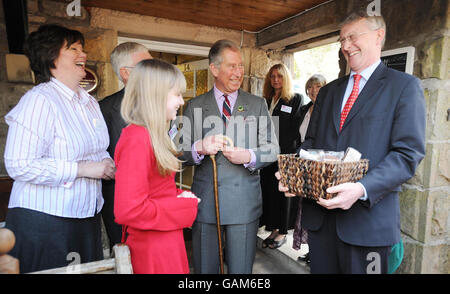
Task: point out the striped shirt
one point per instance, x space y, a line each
51 129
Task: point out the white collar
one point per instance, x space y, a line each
368 71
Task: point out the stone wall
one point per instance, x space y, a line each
425 200
257 64
10 93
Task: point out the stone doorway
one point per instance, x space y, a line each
322 60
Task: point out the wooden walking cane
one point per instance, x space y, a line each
216 201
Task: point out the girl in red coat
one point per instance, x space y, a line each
152 211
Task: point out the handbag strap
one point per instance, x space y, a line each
124 234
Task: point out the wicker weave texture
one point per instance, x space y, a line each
310 179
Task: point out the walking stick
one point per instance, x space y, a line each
216 201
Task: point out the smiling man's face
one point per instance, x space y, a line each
365 48
230 73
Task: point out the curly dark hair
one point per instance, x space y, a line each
42 48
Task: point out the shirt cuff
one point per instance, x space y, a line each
68 171
197 157
363 198
252 162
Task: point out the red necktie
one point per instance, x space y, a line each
226 109
350 101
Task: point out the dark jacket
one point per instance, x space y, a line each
110 107
278 212
387 125
288 123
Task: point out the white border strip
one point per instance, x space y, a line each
168 47
410 51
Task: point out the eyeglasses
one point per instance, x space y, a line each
233 67
352 38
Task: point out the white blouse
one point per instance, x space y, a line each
304 126
51 129
273 104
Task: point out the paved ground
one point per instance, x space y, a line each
269 261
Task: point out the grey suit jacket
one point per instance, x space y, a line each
239 188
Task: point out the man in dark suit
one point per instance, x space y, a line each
354 232
226 109
123 58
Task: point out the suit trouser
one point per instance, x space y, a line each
240 246
330 255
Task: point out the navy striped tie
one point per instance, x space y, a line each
226 110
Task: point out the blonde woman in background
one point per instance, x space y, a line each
278 211
152 211
312 87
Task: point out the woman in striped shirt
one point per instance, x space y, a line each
56 154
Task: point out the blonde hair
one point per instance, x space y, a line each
145 104
287 91
313 80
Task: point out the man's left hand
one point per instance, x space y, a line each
348 193
237 155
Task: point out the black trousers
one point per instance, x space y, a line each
279 211
330 255
45 241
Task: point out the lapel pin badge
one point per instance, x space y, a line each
240 108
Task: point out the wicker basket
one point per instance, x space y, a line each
310 179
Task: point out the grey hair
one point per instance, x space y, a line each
121 55
375 22
215 53
315 79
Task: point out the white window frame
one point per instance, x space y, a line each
168 47
410 51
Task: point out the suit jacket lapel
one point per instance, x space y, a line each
241 105
374 83
119 123
338 97
118 102
210 105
